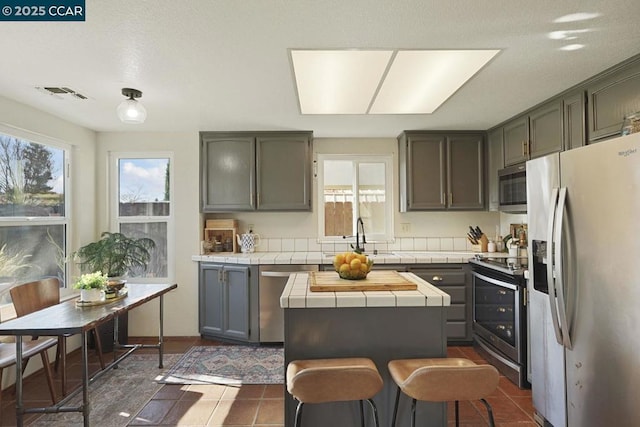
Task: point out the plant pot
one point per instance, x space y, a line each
88 295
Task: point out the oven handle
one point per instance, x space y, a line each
495 282
550 267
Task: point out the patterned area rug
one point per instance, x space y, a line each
231 365
117 396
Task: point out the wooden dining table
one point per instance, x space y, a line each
70 317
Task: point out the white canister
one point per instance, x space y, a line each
491 246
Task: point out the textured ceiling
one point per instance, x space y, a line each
224 64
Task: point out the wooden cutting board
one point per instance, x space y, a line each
388 280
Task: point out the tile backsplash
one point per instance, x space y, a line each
400 244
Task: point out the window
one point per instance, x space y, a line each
142 207
33 209
352 187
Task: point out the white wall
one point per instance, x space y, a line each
28 122
181 305
421 224
90 203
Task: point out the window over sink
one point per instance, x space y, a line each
352 187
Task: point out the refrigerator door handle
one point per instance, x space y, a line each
550 267
562 311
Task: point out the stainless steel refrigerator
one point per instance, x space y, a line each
583 207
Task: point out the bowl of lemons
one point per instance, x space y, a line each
352 265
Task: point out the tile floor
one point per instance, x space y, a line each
256 405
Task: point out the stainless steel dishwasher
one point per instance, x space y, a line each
273 278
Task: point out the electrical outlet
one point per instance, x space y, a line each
249 227
405 227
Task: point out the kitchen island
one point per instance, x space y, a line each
381 325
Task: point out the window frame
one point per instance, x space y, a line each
115 220
66 219
356 159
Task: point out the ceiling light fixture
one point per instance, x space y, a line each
131 111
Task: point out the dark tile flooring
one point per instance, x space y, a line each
254 405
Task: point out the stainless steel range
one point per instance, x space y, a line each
499 314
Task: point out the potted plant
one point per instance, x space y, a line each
91 286
115 254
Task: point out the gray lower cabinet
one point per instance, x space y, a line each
612 97
247 171
228 302
441 171
454 279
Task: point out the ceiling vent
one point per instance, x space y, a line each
60 92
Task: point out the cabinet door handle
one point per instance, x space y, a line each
450 199
220 277
437 279
524 150
225 276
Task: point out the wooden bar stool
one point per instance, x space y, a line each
333 380
442 380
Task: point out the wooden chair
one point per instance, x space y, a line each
34 296
29 348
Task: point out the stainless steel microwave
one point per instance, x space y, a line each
512 182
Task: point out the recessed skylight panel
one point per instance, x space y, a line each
418 82
376 82
338 81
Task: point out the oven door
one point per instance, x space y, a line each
496 314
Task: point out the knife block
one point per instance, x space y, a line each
482 246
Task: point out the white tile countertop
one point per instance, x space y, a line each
399 257
296 294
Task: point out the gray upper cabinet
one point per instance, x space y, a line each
465 171
495 140
612 97
535 134
574 127
545 130
227 173
516 139
246 171
284 173
423 178
441 171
